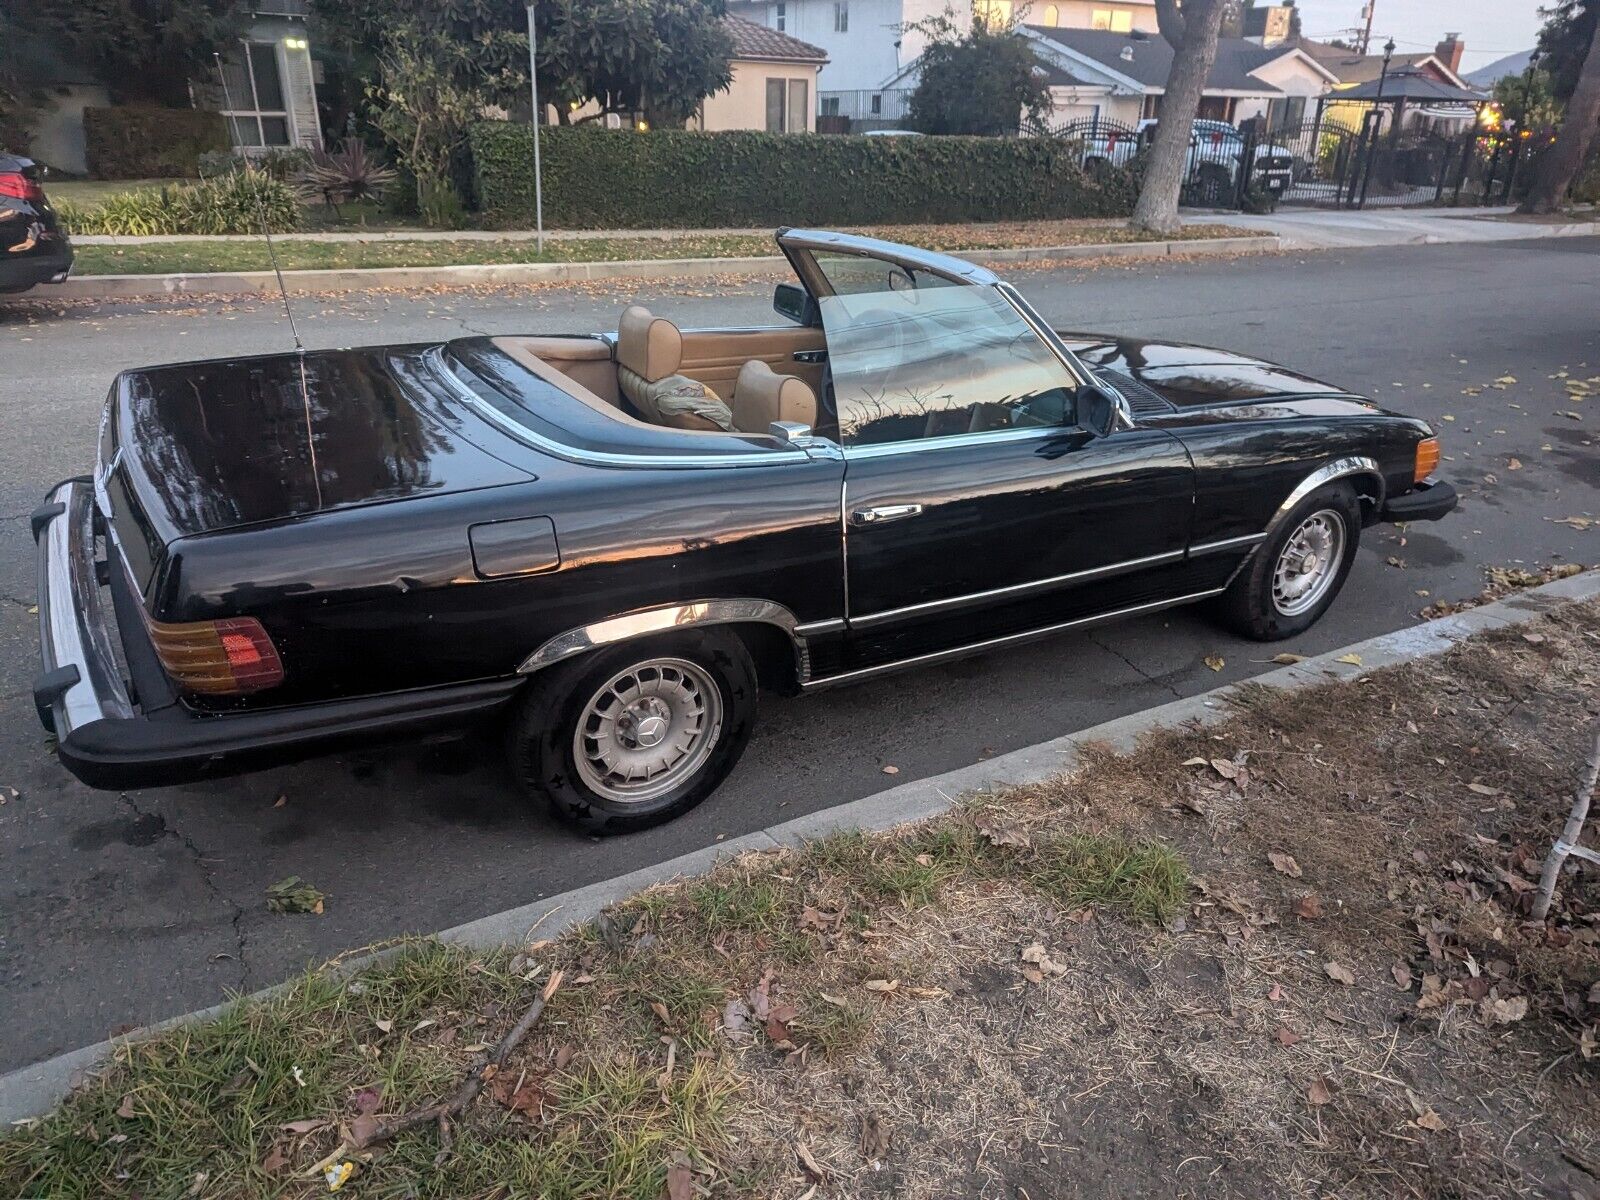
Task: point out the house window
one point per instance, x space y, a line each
789 106
996 14
253 101
841 16
877 104
780 16
830 106
1052 15
1118 20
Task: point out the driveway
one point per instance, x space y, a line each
122 909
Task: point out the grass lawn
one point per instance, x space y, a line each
1287 955
163 258
89 192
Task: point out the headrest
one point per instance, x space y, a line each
762 396
648 346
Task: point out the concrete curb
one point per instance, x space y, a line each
262 283
33 1091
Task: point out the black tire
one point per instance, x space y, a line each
541 740
1249 607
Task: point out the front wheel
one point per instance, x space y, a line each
635 734
1298 571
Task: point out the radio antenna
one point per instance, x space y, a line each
261 212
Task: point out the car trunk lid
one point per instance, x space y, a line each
201 447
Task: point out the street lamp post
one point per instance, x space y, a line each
1375 121
533 85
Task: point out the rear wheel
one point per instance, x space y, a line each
1299 570
638 733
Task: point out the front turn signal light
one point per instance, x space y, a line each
1427 459
231 657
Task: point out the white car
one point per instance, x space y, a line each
1214 154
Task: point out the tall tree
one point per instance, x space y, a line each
144 50
980 82
1191 27
1564 42
1560 166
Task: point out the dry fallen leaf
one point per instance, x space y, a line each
874 1143
1308 907
125 1110
1286 1036
1501 1011
1339 973
1483 789
809 1162
1288 660
1432 1121
1216 662
1284 864
1320 1092
1000 834
385 1026
1352 660
891 770
680 1179
1402 976
882 985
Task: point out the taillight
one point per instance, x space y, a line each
1427 459
19 187
218 658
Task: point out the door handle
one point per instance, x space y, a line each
883 514
810 356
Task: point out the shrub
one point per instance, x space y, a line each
143 141
598 179
281 162
227 204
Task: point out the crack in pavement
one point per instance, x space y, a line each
14 600
1135 667
241 942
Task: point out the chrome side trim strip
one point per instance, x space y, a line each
606 458
1249 539
1016 590
883 449
692 615
939 656
820 627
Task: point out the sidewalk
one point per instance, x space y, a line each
1328 229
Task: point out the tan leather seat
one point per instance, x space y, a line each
649 352
762 396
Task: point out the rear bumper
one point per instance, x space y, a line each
108 740
19 272
1426 502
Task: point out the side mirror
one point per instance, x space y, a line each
1099 410
792 301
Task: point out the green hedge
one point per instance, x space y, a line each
609 179
233 203
146 142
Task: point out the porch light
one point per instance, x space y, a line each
642 125
295 43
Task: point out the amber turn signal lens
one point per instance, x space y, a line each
1427 459
218 658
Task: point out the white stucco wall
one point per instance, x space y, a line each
56 136
862 58
1292 76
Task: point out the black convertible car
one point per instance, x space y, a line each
605 545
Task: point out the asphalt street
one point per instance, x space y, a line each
119 909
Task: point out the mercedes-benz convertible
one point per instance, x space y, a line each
603 546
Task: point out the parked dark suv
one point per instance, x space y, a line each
33 247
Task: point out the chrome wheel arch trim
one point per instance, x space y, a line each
1339 468
693 614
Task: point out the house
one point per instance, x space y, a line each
271 82
774 83
1122 77
1361 74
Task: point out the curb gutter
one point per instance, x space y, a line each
33 1091
361 279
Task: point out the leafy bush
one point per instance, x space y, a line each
350 175
599 179
143 141
224 205
281 162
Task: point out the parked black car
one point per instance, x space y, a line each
577 539
33 247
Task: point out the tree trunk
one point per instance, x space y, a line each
1193 56
1566 158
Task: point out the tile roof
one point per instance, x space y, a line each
1151 60
752 41
1353 67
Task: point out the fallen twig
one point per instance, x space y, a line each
485 1069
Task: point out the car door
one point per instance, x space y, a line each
975 506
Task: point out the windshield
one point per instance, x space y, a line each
914 355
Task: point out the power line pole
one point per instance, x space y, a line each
1368 11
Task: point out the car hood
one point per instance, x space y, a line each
1188 376
211 445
